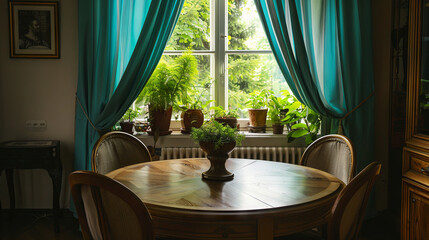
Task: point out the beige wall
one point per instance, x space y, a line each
39 89
43 89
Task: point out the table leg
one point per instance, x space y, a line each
56 176
10 187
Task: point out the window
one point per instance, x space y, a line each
233 53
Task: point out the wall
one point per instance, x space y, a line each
39 89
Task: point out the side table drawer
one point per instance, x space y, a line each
416 165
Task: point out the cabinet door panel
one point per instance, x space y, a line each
419 218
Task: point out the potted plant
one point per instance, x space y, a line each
277 110
301 122
167 85
127 120
257 103
224 116
193 107
217 140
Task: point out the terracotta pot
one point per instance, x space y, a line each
217 157
278 128
191 118
127 127
257 117
232 122
160 119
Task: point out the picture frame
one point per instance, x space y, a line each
34 29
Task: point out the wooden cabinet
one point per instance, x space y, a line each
416 200
415 162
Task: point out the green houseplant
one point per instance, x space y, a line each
193 107
127 120
225 116
257 103
166 87
217 140
277 110
301 121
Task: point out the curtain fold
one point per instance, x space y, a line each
120 44
324 50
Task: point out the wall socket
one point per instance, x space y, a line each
35 124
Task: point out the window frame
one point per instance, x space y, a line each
219 51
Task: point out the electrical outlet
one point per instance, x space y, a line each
35 124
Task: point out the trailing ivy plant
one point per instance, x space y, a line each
219 134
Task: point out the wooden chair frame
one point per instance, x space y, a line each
96 182
117 134
367 175
328 138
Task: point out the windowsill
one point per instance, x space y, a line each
177 139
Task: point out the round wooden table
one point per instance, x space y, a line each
265 199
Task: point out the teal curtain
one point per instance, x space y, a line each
120 44
324 50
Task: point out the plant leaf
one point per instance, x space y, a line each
299 125
299 133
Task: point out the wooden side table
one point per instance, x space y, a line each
32 155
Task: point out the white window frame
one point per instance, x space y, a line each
219 51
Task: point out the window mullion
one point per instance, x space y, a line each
220 56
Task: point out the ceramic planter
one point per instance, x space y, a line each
127 127
257 117
160 119
231 121
217 157
278 128
191 118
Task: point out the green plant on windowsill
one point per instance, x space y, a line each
169 82
131 114
301 122
220 112
224 116
195 97
217 133
278 107
259 99
257 103
127 120
166 87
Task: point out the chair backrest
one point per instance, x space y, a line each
333 154
349 208
108 209
117 149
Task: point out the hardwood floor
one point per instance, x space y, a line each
38 224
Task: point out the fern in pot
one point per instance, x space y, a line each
166 87
217 140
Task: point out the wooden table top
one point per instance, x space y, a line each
265 199
257 184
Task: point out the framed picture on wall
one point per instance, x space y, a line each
33 29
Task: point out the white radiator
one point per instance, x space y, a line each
277 154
